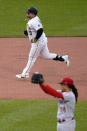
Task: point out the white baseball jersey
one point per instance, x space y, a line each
66 106
32 26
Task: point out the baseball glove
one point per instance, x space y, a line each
37 78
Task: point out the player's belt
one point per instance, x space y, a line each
60 121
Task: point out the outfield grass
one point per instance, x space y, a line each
59 17
28 115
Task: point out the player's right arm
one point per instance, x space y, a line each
49 90
25 32
38 34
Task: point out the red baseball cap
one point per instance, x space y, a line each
67 81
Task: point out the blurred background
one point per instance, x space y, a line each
59 17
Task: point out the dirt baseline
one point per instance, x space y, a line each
13 58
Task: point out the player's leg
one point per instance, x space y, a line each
34 53
71 125
64 58
59 127
46 54
66 126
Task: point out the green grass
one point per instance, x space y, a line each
59 17
28 115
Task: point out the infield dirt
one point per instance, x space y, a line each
13 58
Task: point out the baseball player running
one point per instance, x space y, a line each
38 43
67 97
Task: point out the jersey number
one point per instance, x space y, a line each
30 32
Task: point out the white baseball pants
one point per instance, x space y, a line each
66 126
38 48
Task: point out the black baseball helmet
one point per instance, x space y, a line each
32 10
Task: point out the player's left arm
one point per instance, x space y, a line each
38 35
49 90
37 78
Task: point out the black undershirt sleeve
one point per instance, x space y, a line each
39 33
